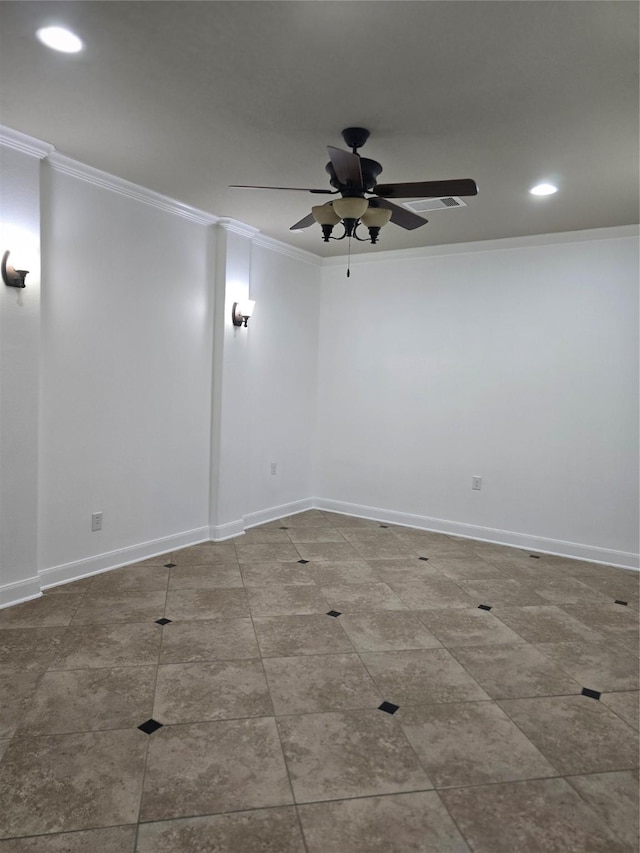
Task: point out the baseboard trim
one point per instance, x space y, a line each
556 547
220 532
276 512
79 569
19 591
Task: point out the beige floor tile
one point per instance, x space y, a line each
86 700
385 630
595 665
158 560
130 578
218 690
4 743
307 684
350 521
286 600
274 830
614 798
263 536
420 676
614 584
209 768
328 573
404 569
432 593
66 782
265 574
407 822
375 533
348 754
205 577
527 817
458 627
17 690
567 590
384 548
114 839
48 611
502 591
29 649
207 553
515 670
134 606
279 553
356 598
120 644
546 624
576 734
78 587
208 640
309 634
308 518
307 535
328 551
625 705
466 568
612 620
215 603
471 743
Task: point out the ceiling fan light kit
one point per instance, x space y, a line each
354 177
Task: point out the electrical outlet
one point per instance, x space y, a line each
96 521
476 483
274 468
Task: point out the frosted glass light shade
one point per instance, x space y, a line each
59 38
350 208
245 307
376 217
324 214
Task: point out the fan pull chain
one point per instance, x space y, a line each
349 259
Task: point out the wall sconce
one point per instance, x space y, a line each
11 276
241 312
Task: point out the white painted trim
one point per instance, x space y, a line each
67 166
286 249
26 144
19 591
540 544
501 245
220 532
237 227
253 519
121 557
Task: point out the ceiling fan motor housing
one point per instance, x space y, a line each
355 137
370 170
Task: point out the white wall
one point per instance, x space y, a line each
19 368
281 378
126 376
519 365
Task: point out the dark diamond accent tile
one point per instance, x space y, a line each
534 556
384 525
592 694
150 726
333 613
170 565
304 562
625 603
162 621
388 707
484 607
284 528
423 558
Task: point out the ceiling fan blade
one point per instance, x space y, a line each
346 166
304 223
399 215
427 189
299 189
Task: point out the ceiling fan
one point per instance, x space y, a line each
354 178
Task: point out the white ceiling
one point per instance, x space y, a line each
186 98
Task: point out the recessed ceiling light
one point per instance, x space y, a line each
58 38
543 189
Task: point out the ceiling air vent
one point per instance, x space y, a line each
421 205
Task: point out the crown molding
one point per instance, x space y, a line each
237 227
286 249
24 143
91 175
501 245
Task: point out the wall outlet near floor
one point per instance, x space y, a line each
96 521
274 468
476 483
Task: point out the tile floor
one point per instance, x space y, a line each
324 683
